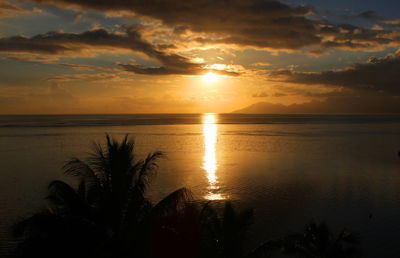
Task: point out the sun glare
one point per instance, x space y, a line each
210 160
210 77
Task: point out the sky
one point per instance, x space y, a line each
187 56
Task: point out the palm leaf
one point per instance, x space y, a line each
78 168
146 171
266 249
64 199
173 203
97 159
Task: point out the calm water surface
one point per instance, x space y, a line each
344 170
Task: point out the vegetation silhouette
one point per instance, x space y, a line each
317 241
107 214
223 236
108 209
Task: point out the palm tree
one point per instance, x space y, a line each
114 182
224 236
46 234
110 196
319 242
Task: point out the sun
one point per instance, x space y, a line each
210 77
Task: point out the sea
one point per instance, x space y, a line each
343 170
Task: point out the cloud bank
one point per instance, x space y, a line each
377 74
72 44
266 24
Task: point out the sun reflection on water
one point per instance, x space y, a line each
210 161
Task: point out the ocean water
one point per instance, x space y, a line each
341 169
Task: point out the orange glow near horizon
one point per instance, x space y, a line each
210 160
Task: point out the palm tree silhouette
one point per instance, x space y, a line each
110 196
318 241
224 236
114 182
46 234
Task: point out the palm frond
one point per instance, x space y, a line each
63 197
91 181
146 171
208 216
78 168
133 173
97 159
266 249
173 203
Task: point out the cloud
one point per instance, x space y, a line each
380 21
279 94
392 22
313 91
261 64
175 65
61 43
32 58
370 15
260 95
92 77
350 37
54 60
77 17
377 74
64 44
11 9
266 24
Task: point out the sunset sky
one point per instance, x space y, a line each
184 56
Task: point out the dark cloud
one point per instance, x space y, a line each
373 16
370 15
138 69
54 60
93 77
31 58
173 64
378 74
60 43
258 23
6 5
347 36
10 9
177 68
316 93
